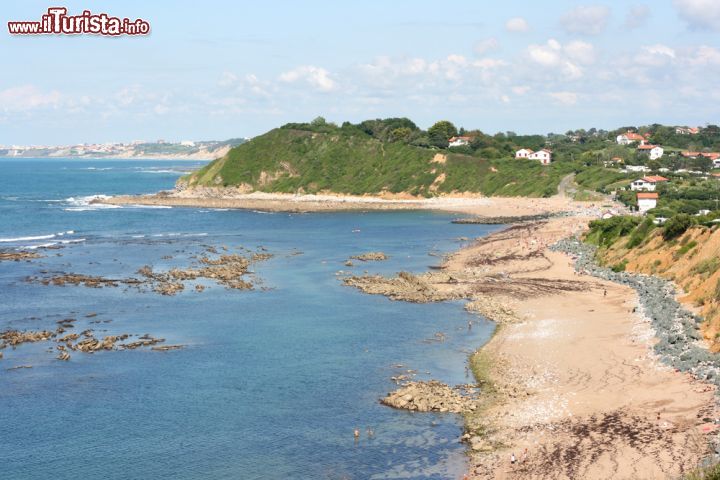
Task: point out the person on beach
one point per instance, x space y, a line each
604 293
513 459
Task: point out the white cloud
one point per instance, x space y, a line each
27 97
637 16
316 77
227 79
517 24
699 14
581 52
487 45
548 55
589 19
659 50
565 98
704 56
564 59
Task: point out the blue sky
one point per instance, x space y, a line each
221 69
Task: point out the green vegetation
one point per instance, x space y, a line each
372 157
604 233
706 473
395 155
641 233
686 248
676 226
707 267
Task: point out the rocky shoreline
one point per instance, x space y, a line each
677 329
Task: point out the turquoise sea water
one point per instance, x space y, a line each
272 381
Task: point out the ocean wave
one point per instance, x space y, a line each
42 245
76 240
84 204
151 206
176 172
28 239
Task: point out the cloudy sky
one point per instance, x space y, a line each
239 68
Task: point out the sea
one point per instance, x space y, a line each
271 382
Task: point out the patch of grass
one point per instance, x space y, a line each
706 473
686 248
619 267
707 267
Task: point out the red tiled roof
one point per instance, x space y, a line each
634 136
655 178
646 147
647 195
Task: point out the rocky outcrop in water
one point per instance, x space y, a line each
432 396
18 256
370 257
228 270
406 287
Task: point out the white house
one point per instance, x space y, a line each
716 163
628 138
647 183
459 141
646 201
687 130
544 156
653 151
636 168
523 153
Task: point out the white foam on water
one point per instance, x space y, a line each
42 245
151 206
84 204
27 239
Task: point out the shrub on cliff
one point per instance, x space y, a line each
676 226
641 233
604 233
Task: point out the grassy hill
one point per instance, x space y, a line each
302 158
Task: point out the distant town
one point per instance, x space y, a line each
190 149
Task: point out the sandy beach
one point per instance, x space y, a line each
586 397
573 388
470 204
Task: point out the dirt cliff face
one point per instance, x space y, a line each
692 261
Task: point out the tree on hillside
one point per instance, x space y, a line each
401 134
441 132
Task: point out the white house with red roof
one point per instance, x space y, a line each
459 141
523 153
652 151
629 137
687 130
647 201
544 156
648 183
